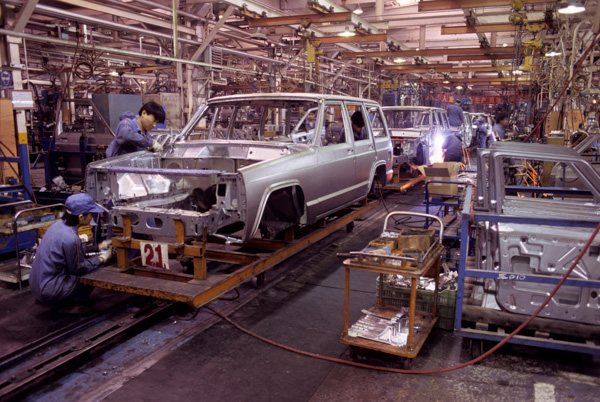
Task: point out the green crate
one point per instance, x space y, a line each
400 297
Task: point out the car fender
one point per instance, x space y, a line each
263 202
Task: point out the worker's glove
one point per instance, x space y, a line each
156 147
105 244
105 256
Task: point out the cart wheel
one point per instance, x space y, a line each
350 227
259 280
476 348
406 363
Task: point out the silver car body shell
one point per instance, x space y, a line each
424 135
245 173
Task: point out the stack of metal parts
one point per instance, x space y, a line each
390 330
447 281
535 233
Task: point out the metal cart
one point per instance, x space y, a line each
428 266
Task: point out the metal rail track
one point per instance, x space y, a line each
11 385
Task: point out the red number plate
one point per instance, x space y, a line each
155 254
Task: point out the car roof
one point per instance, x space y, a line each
412 108
287 96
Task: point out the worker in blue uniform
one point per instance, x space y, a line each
60 258
132 134
482 132
358 126
455 114
499 128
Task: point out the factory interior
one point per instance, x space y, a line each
301 200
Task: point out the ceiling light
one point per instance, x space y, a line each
347 32
446 82
459 87
399 60
572 7
504 44
258 35
358 10
114 73
517 72
552 54
143 82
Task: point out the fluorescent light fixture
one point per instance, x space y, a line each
399 60
517 72
459 87
572 7
114 73
504 44
347 32
552 54
143 82
358 10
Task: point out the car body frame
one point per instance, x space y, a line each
260 168
420 144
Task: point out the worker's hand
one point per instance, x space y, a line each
156 147
105 256
105 244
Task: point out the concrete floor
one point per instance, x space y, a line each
304 311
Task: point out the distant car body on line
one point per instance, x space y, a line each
418 142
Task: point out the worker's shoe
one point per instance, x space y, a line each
76 309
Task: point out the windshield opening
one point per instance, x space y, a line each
261 120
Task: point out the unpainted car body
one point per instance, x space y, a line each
420 142
261 167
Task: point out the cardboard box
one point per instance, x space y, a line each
415 239
447 171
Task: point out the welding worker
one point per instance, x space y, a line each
60 259
132 135
499 129
455 114
452 149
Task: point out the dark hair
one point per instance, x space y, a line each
70 220
357 118
457 100
155 110
500 117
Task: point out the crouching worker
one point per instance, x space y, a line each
60 259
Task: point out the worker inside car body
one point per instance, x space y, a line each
132 134
358 126
60 258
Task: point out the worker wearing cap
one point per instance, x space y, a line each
132 135
482 132
60 258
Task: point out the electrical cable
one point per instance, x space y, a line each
579 64
431 371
